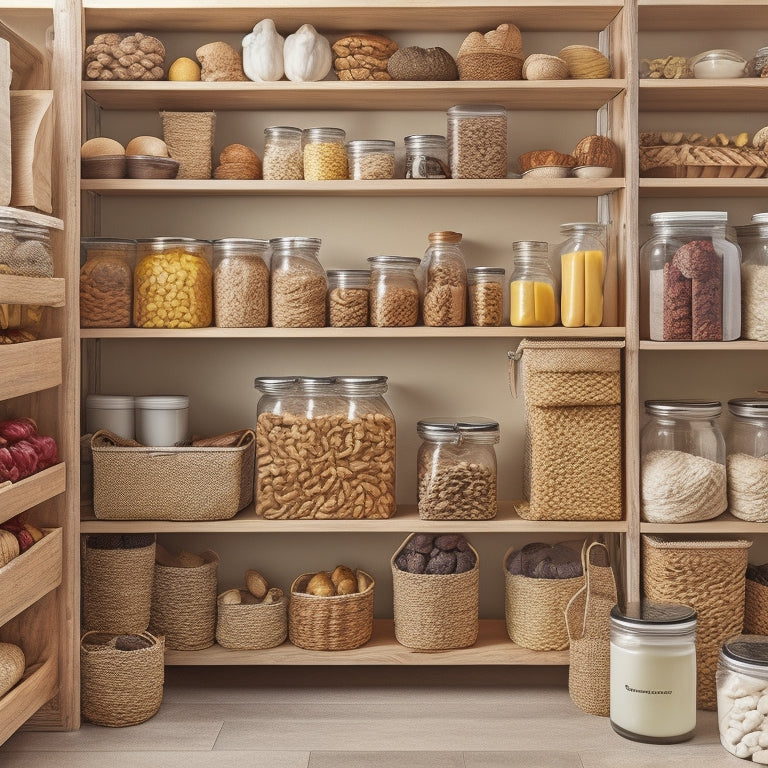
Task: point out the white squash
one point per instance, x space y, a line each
263 53
307 55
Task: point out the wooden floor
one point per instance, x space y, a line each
353 717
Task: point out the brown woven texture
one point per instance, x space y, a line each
119 688
171 483
588 622
12 665
489 66
251 627
184 604
755 609
117 588
189 136
434 611
710 577
337 623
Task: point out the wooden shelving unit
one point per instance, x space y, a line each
743 95
688 15
677 188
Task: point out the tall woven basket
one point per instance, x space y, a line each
252 627
119 688
189 136
755 608
710 577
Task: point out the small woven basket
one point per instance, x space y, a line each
189 136
755 609
434 611
119 688
184 604
710 577
337 623
489 66
12 666
252 627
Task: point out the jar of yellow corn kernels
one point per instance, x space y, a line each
325 155
172 284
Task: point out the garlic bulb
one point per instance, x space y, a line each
263 53
307 55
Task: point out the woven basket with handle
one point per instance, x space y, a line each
251 627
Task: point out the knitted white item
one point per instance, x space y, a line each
748 487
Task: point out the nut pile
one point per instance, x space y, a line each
363 57
479 148
133 57
445 297
347 307
444 554
456 490
394 306
486 301
298 296
106 292
545 561
668 68
241 293
742 707
325 160
341 581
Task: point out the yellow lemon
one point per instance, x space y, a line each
184 69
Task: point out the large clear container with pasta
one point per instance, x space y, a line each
532 292
753 241
241 282
582 259
747 464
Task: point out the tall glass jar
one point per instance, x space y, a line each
653 672
753 241
477 141
443 275
241 282
690 288
371 159
394 297
426 157
283 158
582 259
106 282
348 297
456 468
682 462
299 284
485 286
324 153
747 464
532 301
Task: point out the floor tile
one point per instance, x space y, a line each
668 756
522 759
386 760
115 759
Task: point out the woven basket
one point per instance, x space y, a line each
489 66
433 611
337 623
189 136
12 666
119 688
251 627
184 604
710 577
755 609
117 588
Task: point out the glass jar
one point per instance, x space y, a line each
299 284
106 282
283 157
325 448
485 286
241 282
426 157
532 300
690 287
456 468
371 159
443 275
753 241
477 142
758 64
747 462
582 259
348 297
653 672
394 296
324 154
25 249
173 283
682 462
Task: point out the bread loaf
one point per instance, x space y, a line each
321 585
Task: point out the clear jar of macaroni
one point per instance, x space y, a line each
324 154
348 297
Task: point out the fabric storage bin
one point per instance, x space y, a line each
573 448
248 627
132 482
708 575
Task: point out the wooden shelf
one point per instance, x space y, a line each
747 94
725 524
47 291
694 15
703 187
703 346
29 367
25 494
30 217
492 647
39 685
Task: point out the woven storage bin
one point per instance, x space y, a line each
573 450
117 587
710 577
193 483
119 688
337 623
189 136
755 608
489 66
251 627
436 612
184 604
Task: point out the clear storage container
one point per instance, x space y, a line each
241 282
690 278
443 274
25 250
394 296
162 420
299 284
582 259
324 154
106 282
532 299
753 241
348 297
747 463
485 286
477 142
283 157
758 64
371 159
426 157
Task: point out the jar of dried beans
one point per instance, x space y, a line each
456 468
485 286
477 142
324 153
532 301
394 296
582 259
753 241
443 275
747 464
241 283
299 284
690 278
106 282
282 154
348 297
371 159
426 157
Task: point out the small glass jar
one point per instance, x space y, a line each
394 296
747 463
25 249
477 142
324 154
753 242
426 157
682 462
582 259
690 285
371 159
485 287
299 284
456 468
719 64
443 275
532 301
106 282
241 282
173 283
653 672
283 157
758 64
348 297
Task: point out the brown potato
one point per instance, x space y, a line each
321 585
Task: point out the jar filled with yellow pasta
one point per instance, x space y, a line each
532 294
173 283
582 257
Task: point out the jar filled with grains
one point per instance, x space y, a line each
444 279
426 157
582 259
106 282
241 283
532 300
25 250
299 284
485 286
283 159
477 142
371 159
747 464
394 297
325 156
348 297
753 241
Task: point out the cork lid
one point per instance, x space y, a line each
445 237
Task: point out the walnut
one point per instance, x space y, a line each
363 56
133 57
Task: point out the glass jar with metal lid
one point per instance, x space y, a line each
298 283
532 301
324 154
747 464
758 64
682 462
653 671
283 158
33 256
485 287
426 157
394 297
241 282
477 141
371 159
582 259
753 241
456 468
106 282
348 297
443 276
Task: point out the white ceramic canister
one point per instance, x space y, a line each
162 419
112 412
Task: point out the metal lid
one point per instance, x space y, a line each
109 402
747 649
480 271
445 237
361 384
284 129
274 384
649 614
99 240
441 426
316 384
166 240
760 218
749 406
347 272
401 261
311 134
700 217
295 242
363 145
460 110
240 246
697 409
162 402
424 137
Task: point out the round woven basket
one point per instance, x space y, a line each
756 609
489 66
184 604
119 688
189 136
12 665
337 623
251 627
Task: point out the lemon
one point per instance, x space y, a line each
184 69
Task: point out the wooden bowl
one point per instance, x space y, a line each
103 167
151 167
